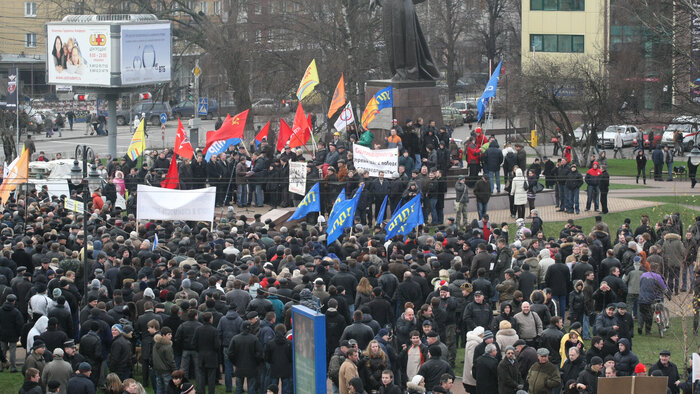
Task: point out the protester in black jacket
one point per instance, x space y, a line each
278 354
486 371
587 381
573 366
246 354
119 360
206 341
11 322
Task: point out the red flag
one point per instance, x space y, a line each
262 134
183 148
283 135
231 128
301 132
172 178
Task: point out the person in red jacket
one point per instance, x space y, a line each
473 162
97 201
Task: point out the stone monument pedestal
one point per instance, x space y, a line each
412 99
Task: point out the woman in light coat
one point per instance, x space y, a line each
506 336
474 338
518 190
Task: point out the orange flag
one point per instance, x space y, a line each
283 135
172 178
339 98
183 148
301 132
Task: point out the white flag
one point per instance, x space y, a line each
345 118
6 169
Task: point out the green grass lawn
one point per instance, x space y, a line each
613 186
627 167
683 199
614 220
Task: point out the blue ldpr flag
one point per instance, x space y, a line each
155 242
340 198
310 203
385 98
405 219
342 217
382 211
489 92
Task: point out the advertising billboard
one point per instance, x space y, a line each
79 54
145 53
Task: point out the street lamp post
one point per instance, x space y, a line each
90 182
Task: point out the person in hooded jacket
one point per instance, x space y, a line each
625 359
593 189
574 180
474 339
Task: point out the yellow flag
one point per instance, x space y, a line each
138 142
17 175
309 81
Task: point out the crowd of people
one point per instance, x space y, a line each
211 305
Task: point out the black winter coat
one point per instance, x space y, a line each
80 384
432 369
11 322
183 338
206 342
589 378
486 374
119 359
571 370
245 353
558 278
278 353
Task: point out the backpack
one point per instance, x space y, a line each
334 368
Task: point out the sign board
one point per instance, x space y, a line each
375 160
79 54
297 177
145 53
74 205
64 88
633 384
203 106
196 71
108 53
163 118
309 350
167 204
696 366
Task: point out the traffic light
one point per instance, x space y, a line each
81 97
190 88
145 96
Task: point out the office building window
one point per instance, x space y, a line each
30 40
217 8
557 5
562 43
204 7
30 9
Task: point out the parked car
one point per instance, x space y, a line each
186 109
689 126
151 109
467 109
452 117
606 138
656 140
268 106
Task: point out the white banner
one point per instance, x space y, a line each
155 203
145 53
297 177
375 160
79 54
